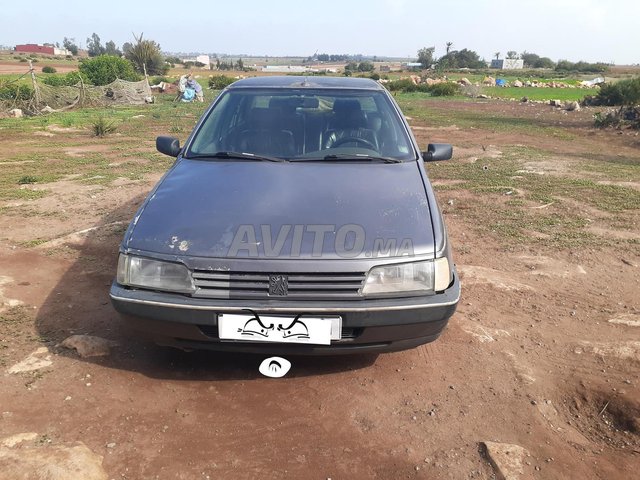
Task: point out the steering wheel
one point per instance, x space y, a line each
362 141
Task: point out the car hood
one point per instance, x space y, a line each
245 209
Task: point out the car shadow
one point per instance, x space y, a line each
79 304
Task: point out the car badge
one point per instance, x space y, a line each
278 285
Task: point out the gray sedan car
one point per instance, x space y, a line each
297 218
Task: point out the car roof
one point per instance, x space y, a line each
298 82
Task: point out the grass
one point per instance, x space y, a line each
516 220
423 107
131 151
27 179
539 94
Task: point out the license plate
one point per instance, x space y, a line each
278 329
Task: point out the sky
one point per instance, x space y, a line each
590 30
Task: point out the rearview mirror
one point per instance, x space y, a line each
168 145
437 151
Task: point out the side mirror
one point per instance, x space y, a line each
437 151
168 145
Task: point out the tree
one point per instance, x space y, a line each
111 49
70 44
461 59
512 55
104 69
497 55
449 45
146 54
94 47
365 67
351 67
126 46
544 62
240 65
425 57
531 60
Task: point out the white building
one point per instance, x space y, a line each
508 64
286 69
204 59
61 51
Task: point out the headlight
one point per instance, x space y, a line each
408 278
154 274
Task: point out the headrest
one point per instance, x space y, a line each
346 105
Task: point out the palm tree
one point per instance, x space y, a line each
449 45
497 54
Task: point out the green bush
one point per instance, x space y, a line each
104 69
626 116
23 60
402 85
27 179
365 67
102 127
15 91
157 80
70 79
582 67
447 89
624 92
218 82
48 69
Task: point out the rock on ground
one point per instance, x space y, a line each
21 459
506 459
572 106
88 345
35 361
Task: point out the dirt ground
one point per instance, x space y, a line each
16 68
543 352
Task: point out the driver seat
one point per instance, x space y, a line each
348 121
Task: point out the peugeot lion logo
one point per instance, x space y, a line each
278 285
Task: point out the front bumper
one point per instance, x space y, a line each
380 325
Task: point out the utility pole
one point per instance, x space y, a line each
36 92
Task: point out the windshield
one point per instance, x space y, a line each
301 125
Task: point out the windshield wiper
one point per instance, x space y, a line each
241 155
348 156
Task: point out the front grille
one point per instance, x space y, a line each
301 286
